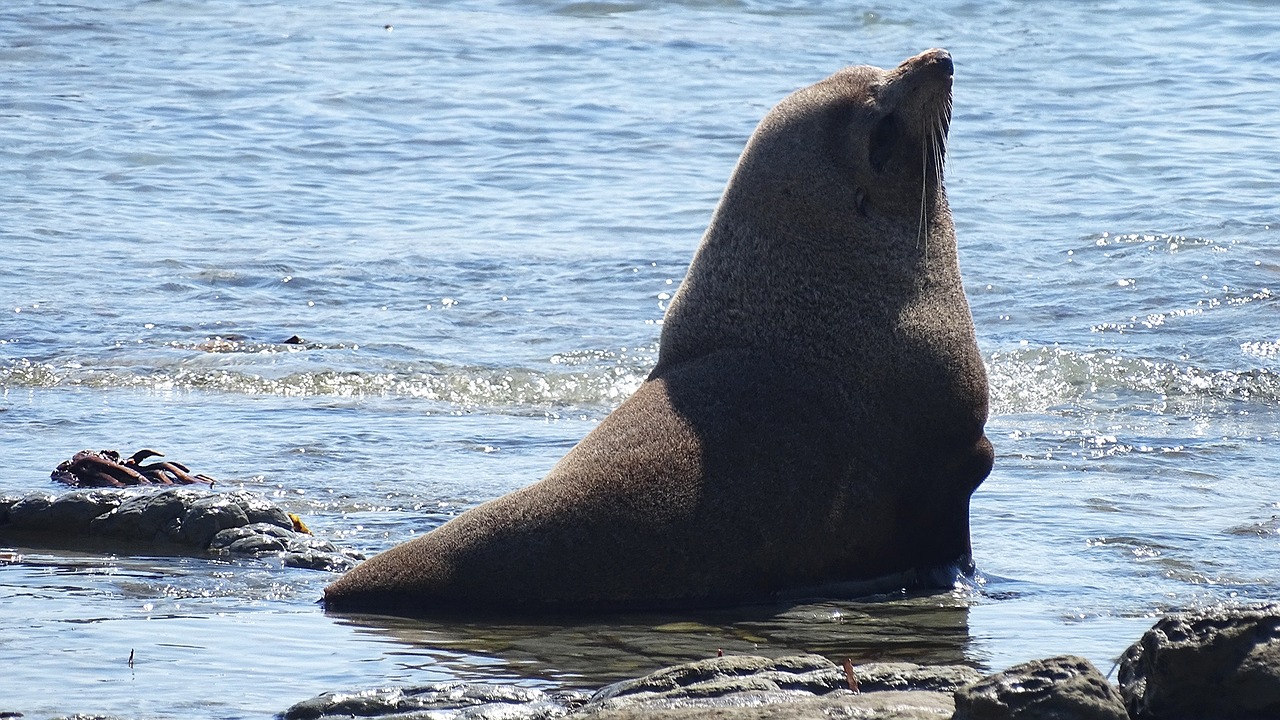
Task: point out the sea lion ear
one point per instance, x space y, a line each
882 141
860 201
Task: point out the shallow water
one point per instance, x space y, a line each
474 218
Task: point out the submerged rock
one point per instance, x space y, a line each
746 680
1221 663
465 701
887 705
881 677
185 519
1057 688
724 681
295 549
739 687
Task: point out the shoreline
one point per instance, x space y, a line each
1227 654
1219 663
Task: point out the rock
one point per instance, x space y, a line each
75 510
153 517
841 704
718 680
294 549
209 515
186 519
318 560
31 512
260 510
880 677
741 687
67 513
248 540
1220 663
745 680
465 701
1058 688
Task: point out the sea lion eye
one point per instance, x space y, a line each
884 138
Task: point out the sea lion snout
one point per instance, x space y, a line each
935 60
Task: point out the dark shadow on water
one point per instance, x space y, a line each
589 651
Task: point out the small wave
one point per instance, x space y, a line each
463 388
1035 379
241 344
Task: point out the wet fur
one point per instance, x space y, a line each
814 421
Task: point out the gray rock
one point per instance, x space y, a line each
728 680
148 518
880 677
257 545
317 560
294 549
207 516
464 701
1220 663
838 705
256 532
745 680
260 510
195 519
6 502
74 511
1058 688
30 513
66 514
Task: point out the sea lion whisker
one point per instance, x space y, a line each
922 228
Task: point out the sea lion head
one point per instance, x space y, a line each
836 205
864 145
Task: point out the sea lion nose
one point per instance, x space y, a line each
931 61
942 59
937 60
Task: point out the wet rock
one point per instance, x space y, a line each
252 539
722 678
30 512
887 705
294 549
259 509
318 560
1220 663
464 701
1059 688
71 512
153 517
187 519
880 677
739 687
747 681
209 515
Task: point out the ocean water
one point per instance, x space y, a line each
474 214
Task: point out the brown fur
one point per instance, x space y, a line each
815 419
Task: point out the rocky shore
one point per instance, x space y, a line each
1221 663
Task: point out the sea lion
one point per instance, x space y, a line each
814 423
